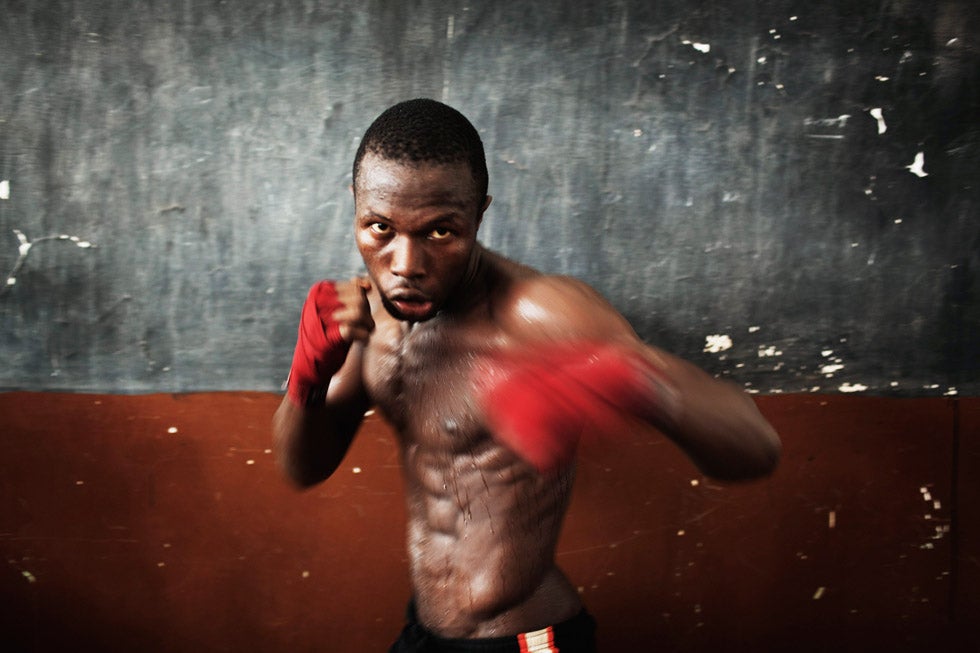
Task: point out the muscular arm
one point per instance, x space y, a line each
310 441
311 433
714 422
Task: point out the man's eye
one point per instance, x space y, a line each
380 228
441 233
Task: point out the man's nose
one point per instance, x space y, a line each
408 258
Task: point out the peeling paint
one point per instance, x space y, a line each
880 117
716 343
700 47
917 165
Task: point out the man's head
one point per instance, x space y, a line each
420 185
425 131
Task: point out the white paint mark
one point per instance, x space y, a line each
754 329
770 351
369 413
819 593
951 392
882 78
680 533
29 576
761 60
826 352
700 47
305 574
916 167
839 122
793 18
897 221
172 430
831 369
5 189
951 41
79 482
855 387
716 343
356 470
249 462
161 564
926 496
937 505
880 117
24 246
695 482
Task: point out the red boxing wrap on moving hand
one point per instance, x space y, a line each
541 402
320 349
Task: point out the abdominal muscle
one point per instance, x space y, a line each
482 528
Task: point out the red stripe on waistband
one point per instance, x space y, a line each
539 641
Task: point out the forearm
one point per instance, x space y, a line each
716 423
310 442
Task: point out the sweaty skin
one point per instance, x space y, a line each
482 523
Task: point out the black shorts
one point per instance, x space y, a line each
576 635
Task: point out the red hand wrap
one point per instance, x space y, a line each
320 351
541 403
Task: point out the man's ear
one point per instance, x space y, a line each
486 205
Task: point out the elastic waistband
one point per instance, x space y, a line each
570 636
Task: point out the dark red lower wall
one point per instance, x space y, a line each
161 523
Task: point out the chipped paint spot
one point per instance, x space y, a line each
172 430
767 352
754 329
819 593
831 369
700 47
249 462
716 343
855 387
356 470
880 117
305 574
5 189
917 165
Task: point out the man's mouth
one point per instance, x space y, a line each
411 305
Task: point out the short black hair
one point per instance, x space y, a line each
424 130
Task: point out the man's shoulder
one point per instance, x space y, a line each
531 304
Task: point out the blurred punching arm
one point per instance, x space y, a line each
583 372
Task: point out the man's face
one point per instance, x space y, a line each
415 227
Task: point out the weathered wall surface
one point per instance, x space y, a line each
160 523
784 192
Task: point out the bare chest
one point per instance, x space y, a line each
421 380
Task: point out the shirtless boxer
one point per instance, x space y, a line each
489 373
